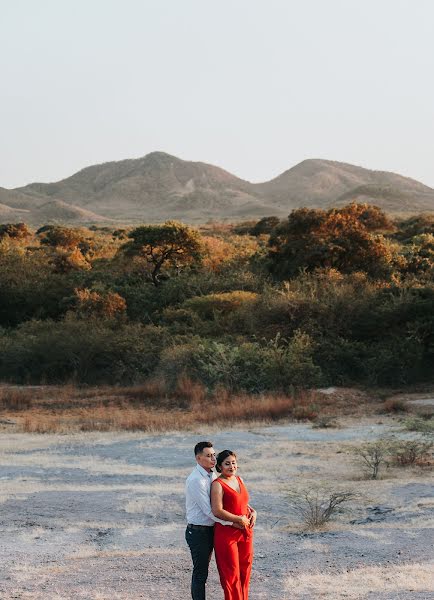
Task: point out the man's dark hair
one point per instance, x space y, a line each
200 446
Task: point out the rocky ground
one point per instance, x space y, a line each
101 516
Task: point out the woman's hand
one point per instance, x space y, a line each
252 518
244 521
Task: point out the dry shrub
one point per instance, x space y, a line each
372 456
41 423
16 398
106 418
243 407
225 409
149 392
305 413
306 406
324 422
422 425
394 405
221 394
316 506
151 407
412 452
189 391
155 392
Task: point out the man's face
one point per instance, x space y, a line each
206 459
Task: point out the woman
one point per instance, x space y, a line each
233 546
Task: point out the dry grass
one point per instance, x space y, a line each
358 583
16 398
152 407
395 405
130 417
149 408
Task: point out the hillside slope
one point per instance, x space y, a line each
322 183
158 186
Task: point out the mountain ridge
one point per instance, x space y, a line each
159 186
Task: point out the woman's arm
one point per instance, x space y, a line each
252 512
220 512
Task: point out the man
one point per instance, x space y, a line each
200 520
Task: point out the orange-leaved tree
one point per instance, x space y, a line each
346 239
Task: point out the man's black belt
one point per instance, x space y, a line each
199 526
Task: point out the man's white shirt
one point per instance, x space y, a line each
197 498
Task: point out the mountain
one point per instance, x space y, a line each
38 209
158 186
8 214
324 183
391 198
62 212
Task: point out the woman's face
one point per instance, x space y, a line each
229 466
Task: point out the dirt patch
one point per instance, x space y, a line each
100 516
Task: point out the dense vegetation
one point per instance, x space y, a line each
341 296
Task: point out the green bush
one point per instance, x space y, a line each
343 361
222 304
421 425
395 361
81 351
246 366
290 364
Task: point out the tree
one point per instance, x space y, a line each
60 237
171 245
17 231
342 239
98 305
416 225
265 225
372 217
419 256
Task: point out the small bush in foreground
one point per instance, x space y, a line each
411 452
372 456
316 507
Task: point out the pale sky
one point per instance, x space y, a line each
253 86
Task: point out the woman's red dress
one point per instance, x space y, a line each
234 547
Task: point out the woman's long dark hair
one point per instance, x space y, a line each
221 457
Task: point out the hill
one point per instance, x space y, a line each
154 188
324 183
62 212
158 186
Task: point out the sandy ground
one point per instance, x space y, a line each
101 516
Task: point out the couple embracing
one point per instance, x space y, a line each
219 516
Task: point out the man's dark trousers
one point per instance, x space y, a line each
200 541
